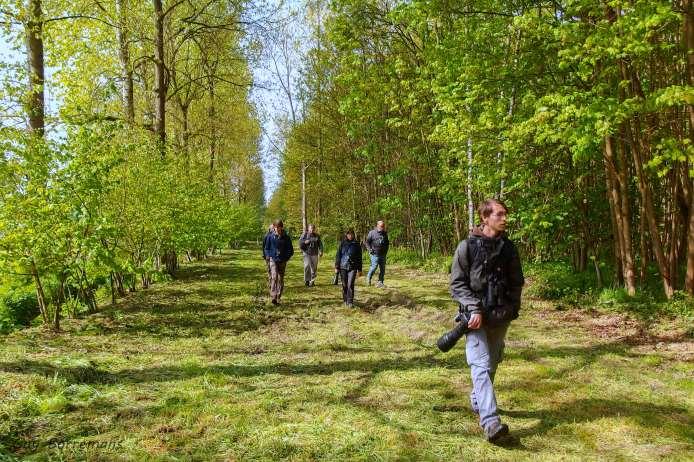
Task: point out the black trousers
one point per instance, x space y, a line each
348 278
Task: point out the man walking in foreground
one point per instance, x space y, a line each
486 281
312 247
377 244
279 250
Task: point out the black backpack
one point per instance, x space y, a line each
488 277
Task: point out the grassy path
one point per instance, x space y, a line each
204 369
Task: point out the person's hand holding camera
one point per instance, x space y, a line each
475 321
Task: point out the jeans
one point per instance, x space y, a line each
380 262
348 279
484 350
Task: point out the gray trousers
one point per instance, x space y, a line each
484 350
310 267
277 278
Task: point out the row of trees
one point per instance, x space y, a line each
144 150
577 113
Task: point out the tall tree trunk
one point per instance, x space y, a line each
623 209
456 221
611 186
34 46
303 196
124 58
211 115
113 289
470 205
58 304
650 217
688 38
689 279
40 295
159 75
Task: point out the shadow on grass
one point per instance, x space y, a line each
647 415
193 306
91 374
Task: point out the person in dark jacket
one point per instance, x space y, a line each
312 247
270 232
486 281
279 250
377 244
348 263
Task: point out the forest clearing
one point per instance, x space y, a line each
204 368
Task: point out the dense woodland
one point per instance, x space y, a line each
576 113
128 144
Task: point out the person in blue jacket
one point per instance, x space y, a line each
278 250
348 264
268 235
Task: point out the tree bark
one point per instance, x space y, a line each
34 45
620 197
160 88
649 211
40 295
304 222
124 58
470 205
688 37
211 114
58 302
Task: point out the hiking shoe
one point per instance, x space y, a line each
349 305
275 302
307 283
495 431
380 285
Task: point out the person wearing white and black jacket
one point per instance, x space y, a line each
348 263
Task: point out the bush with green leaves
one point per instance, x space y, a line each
18 307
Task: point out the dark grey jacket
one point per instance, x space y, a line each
466 292
315 245
377 242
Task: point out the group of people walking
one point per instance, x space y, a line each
278 249
486 282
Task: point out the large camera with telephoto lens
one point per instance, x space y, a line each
495 312
450 338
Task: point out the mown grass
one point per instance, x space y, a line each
204 369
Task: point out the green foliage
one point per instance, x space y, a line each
558 281
18 307
433 263
413 105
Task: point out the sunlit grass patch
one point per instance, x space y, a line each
204 368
